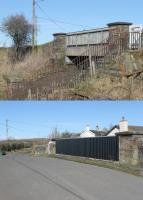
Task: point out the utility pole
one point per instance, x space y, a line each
7 129
33 24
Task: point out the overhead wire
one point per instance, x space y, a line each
52 20
59 21
68 23
22 130
35 132
18 129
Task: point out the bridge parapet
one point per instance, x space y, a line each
98 46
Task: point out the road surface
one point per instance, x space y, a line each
37 178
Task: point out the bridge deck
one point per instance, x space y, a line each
97 50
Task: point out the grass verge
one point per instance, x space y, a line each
134 170
24 151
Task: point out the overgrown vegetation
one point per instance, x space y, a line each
19 30
102 86
33 62
109 87
13 146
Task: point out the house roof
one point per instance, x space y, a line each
77 135
131 129
116 126
98 133
137 129
129 133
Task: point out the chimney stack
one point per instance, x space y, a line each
123 125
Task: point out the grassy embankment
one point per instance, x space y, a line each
33 62
102 86
112 86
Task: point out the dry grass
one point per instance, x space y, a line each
110 87
32 61
102 86
29 66
35 61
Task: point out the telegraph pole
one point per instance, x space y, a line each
7 129
33 24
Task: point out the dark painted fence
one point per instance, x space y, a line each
104 148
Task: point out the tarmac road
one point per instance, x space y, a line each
37 178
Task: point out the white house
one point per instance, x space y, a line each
88 133
124 127
113 131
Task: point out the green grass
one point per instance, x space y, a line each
134 170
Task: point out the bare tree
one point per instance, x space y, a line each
19 30
55 134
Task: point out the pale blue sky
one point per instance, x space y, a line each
91 13
37 119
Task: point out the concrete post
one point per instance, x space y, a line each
51 147
29 94
90 64
94 67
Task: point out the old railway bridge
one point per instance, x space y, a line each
98 47
84 53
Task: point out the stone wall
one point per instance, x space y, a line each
49 148
131 148
119 35
40 149
59 48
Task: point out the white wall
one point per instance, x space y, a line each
113 132
87 134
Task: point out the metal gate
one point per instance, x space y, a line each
104 148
